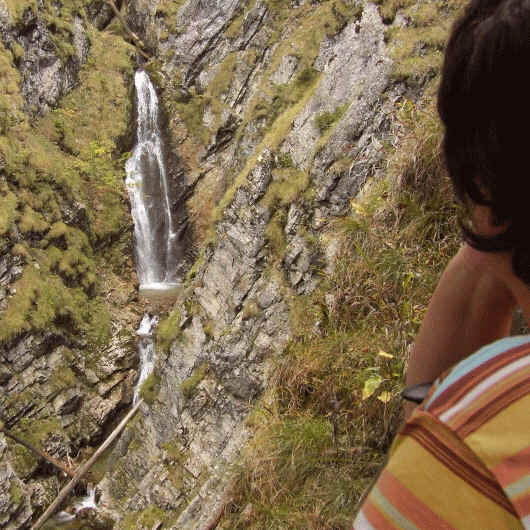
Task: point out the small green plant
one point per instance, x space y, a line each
326 120
150 387
151 517
275 235
286 187
168 331
189 386
16 493
192 112
285 161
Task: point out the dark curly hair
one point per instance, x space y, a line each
484 103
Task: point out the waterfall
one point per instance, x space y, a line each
157 249
146 349
156 241
88 502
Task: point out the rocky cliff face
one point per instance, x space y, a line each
279 114
275 114
67 356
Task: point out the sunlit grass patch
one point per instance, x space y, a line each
418 42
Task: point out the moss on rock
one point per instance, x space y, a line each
168 330
71 158
189 386
150 388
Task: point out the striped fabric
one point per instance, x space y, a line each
463 459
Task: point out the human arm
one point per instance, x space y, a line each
471 306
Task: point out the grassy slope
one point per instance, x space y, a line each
333 405
68 157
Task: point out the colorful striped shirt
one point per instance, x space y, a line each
463 458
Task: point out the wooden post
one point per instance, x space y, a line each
84 468
42 454
132 34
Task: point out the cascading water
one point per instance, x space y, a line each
88 502
146 348
157 250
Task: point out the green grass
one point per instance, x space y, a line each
11 103
150 388
326 421
57 16
8 209
286 187
89 124
189 386
326 120
70 155
234 29
168 10
168 330
417 48
15 493
191 113
150 517
36 431
17 8
275 235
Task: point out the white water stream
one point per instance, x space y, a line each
156 239
146 349
157 248
157 251
86 502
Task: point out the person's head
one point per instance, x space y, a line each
484 103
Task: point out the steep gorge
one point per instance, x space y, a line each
274 115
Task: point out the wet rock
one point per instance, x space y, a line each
43 492
355 68
294 217
95 520
46 76
242 386
28 348
100 13
231 270
76 215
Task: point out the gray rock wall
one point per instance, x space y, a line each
234 314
